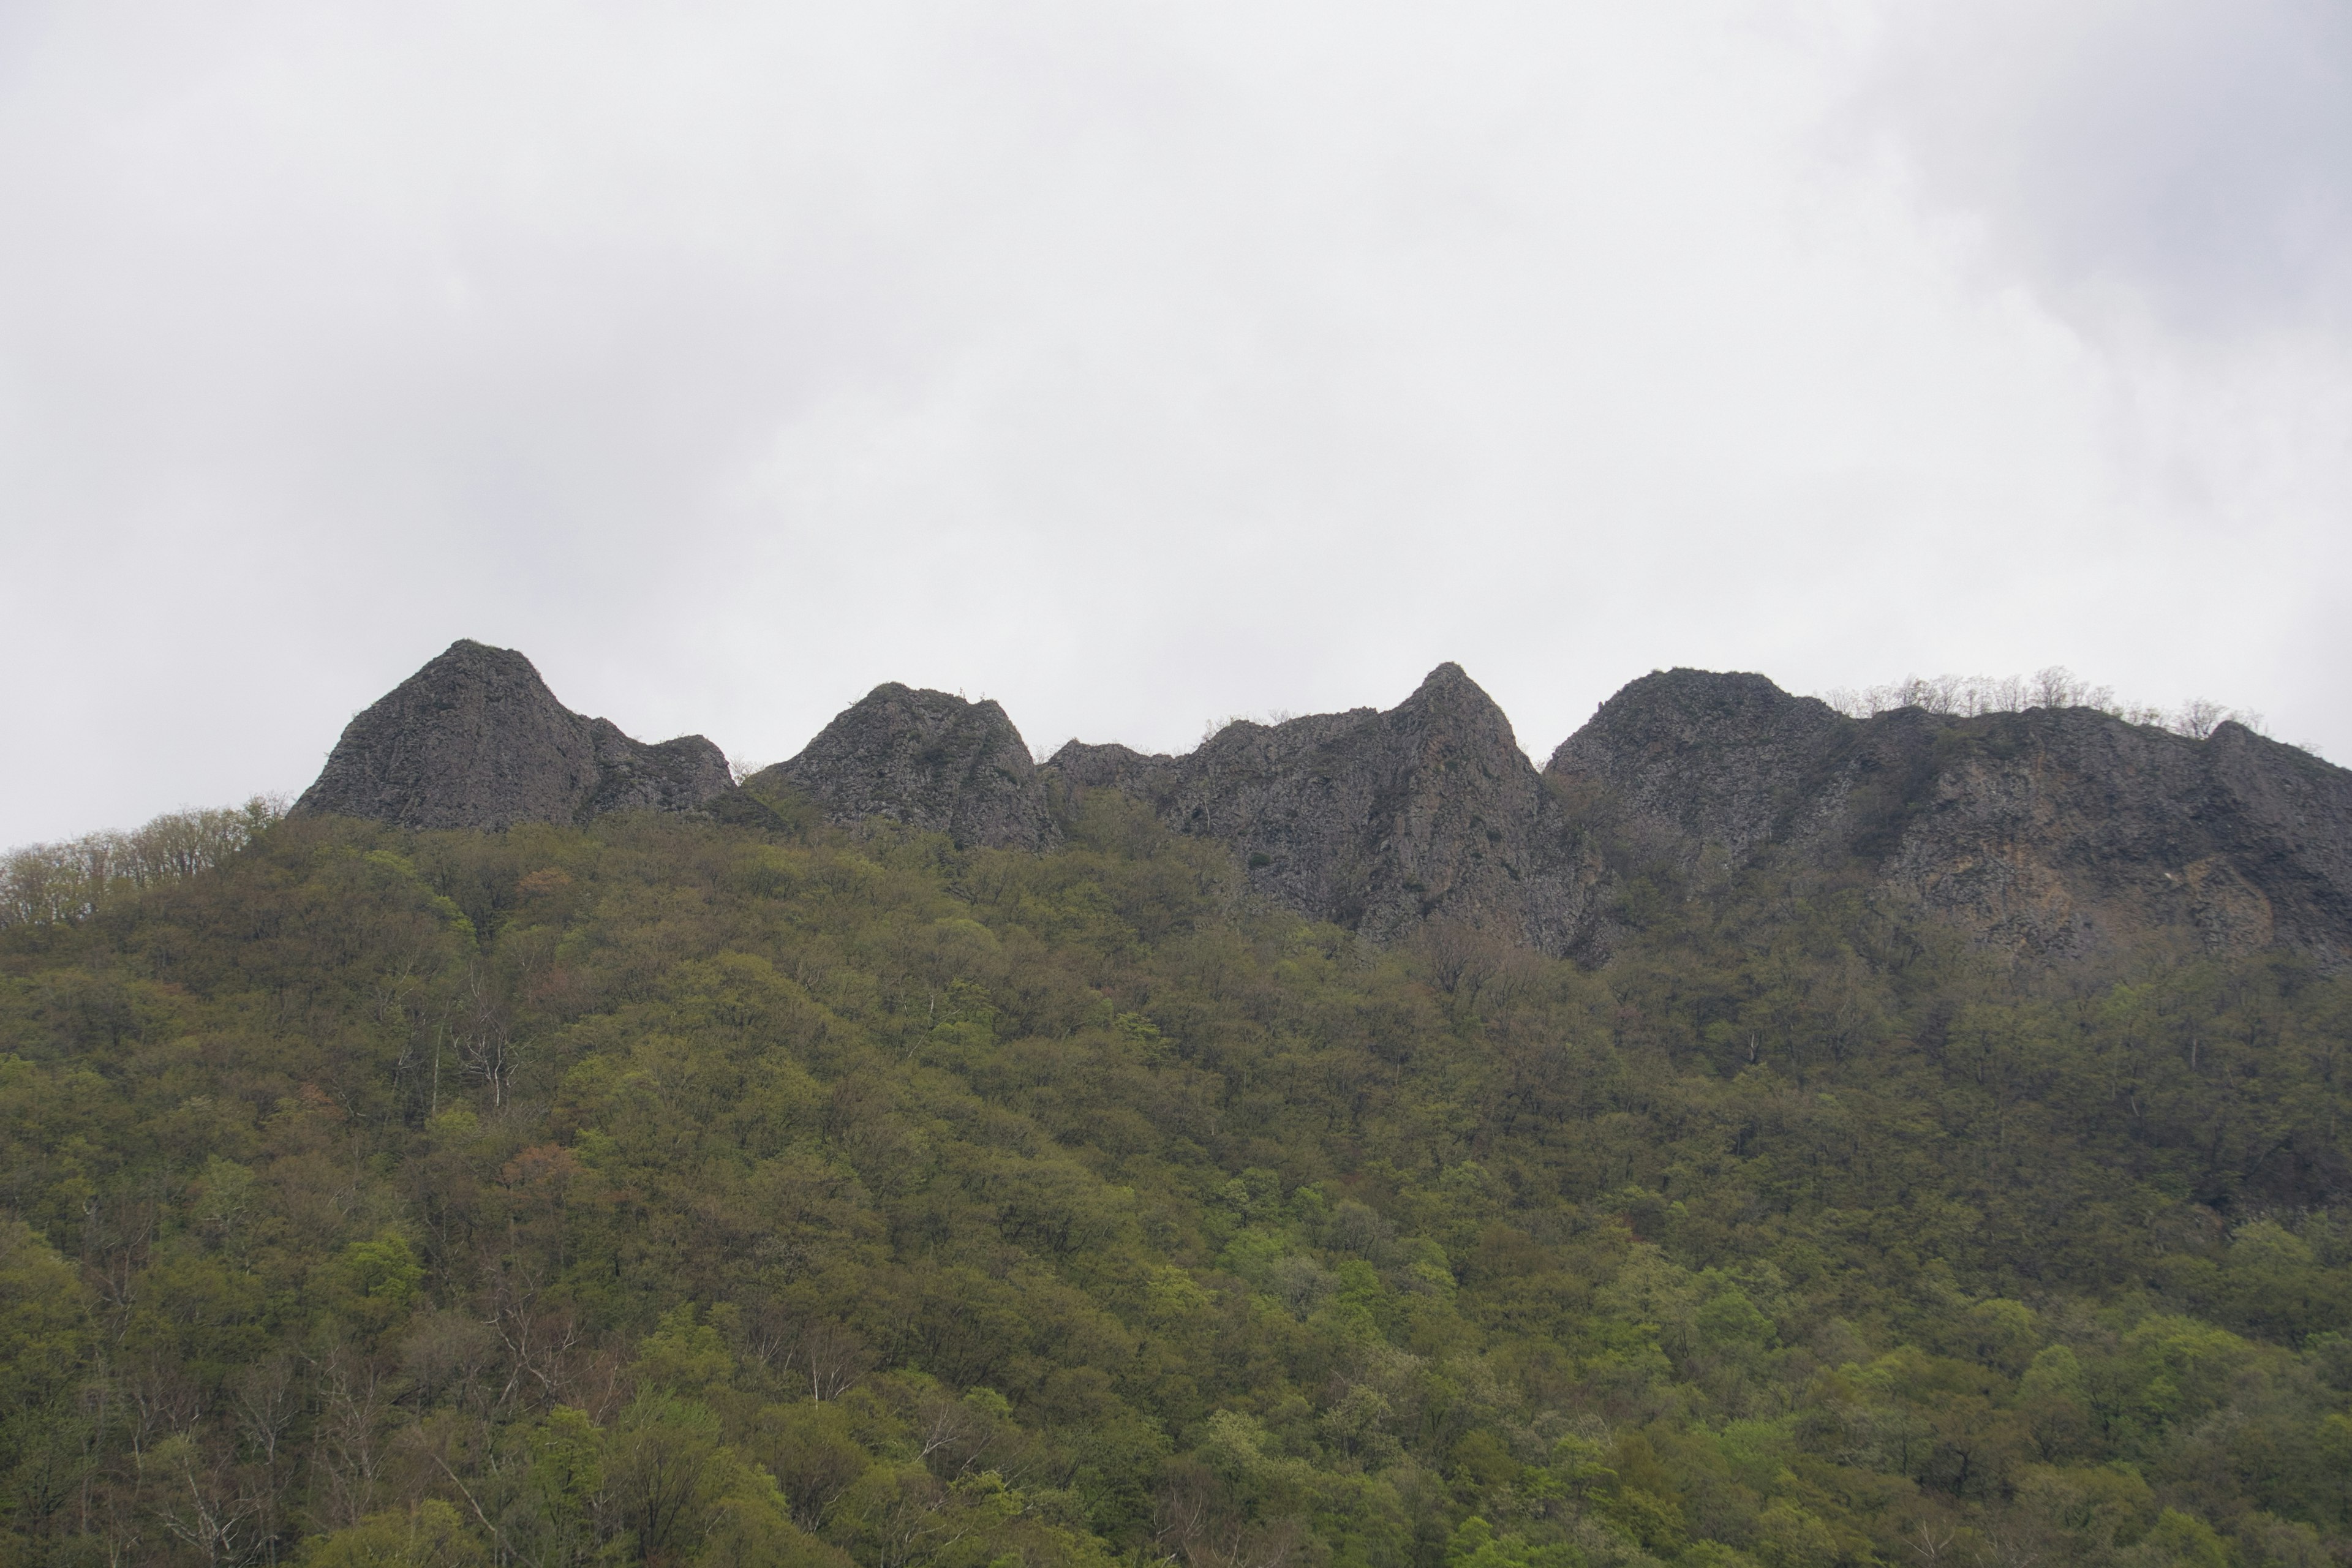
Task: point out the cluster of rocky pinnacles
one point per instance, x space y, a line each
2052 831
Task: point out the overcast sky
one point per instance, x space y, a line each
1139 362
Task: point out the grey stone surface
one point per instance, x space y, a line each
475 739
2057 832
1377 821
929 760
2053 832
1692 760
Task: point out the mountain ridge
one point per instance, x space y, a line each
2059 831
2056 833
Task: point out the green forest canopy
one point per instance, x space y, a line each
665 1191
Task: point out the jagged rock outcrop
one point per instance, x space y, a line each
1689 760
1377 821
475 739
928 760
2057 832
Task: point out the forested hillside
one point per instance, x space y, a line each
659 1191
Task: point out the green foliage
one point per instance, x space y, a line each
371 1283
677 1193
429 1535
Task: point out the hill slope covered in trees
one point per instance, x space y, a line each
658 1190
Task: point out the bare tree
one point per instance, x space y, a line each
2199 717
1929 1541
834 1358
1191 1524
48 883
2054 686
263 1399
1460 957
355 1406
199 1501
539 1343
486 1045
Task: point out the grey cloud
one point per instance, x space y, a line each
1134 365
2191 152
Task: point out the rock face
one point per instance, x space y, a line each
928 760
2053 832
1376 821
475 739
1691 761
2057 832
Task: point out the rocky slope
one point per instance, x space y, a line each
1688 763
929 760
1377 821
2055 831
475 739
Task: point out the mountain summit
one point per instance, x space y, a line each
928 760
475 739
2052 833
1376 820
2056 832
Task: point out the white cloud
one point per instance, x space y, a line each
2175 158
1134 364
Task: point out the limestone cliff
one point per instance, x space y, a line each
475 739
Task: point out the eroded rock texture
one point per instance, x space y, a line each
1376 821
2054 831
1691 761
929 760
475 739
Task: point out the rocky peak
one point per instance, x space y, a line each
1690 759
929 760
2053 832
475 739
1453 714
1373 820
